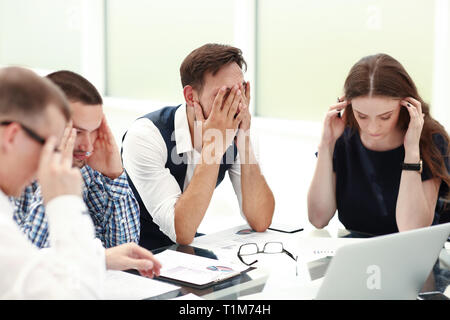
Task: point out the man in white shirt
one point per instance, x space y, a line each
33 115
176 156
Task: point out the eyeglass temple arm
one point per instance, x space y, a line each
290 254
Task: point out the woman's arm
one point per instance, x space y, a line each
322 191
416 200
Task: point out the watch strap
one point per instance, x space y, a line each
412 166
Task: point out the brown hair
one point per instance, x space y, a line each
76 87
382 75
26 95
208 58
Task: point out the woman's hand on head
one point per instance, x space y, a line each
412 136
334 124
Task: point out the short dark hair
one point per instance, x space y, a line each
76 87
25 94
208 58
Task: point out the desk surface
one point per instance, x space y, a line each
309 245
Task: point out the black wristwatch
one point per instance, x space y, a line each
413 166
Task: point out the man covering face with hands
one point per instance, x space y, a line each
176 156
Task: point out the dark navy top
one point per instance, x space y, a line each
367 184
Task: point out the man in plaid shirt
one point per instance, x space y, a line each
111 203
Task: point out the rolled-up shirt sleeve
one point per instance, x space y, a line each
112 206
144 158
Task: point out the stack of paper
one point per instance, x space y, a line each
196 270
121 285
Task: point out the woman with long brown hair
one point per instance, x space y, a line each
382 159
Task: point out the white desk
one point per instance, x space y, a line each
308 245
276 276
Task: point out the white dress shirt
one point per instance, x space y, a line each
144 158
73 268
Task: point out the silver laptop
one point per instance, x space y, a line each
393 267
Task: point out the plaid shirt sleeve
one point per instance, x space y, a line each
112 206
29 214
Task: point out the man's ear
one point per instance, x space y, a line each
190 95
9 135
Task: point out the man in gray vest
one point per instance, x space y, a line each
175 157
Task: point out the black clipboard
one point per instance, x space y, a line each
197 286
227 278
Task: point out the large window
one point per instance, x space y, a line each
44 34
300 51
306 48
148 40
